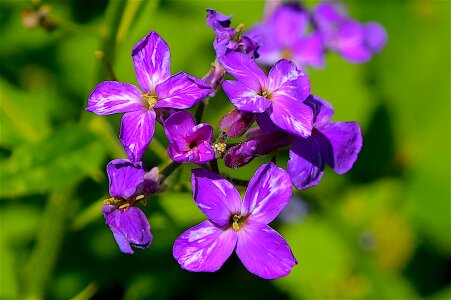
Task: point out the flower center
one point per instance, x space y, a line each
237 222
287 54
150 100
123 203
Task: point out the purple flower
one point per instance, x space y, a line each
280 94
335 143
229 39
188 142
129 185
283 34
159 89
354 41
238 225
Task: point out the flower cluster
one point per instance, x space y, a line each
292 32
280 103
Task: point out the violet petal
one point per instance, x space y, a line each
215 196
204 248
124 177
136 132
181 91
268 192
151 59
346 141
111 97
245 70
263 251
292 116
244 98
177 127
308 157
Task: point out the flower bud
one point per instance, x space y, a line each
241 154
236 122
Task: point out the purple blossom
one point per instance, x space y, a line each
280 94
128 185
334 143
283 34
151 59
188 142
238 225
229 39
354 41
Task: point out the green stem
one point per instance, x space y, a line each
239 182
200 111
214 166
169 169
108 35
48 244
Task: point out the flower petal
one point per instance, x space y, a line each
244 98
204 248
111 97
135 227
308 157
200 154
269 50
351 42
346 141
322 110
177 127
124 177
289 21
136 132
263 251
205 153
267 194
292 116
129 226
286 80
309 51
200 133
215 196
375 36
151 59
245 70
181 91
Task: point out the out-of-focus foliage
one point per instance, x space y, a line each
382 231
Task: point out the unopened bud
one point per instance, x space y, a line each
241 154
236 122
214 77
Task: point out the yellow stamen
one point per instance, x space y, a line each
150 100
235 224
124 205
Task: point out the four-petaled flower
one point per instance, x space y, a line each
283 34
354 41
238 225
188 142
336 143
129 184
159 89
280 94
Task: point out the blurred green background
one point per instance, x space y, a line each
381 231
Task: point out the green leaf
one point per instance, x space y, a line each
23 116
67 156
